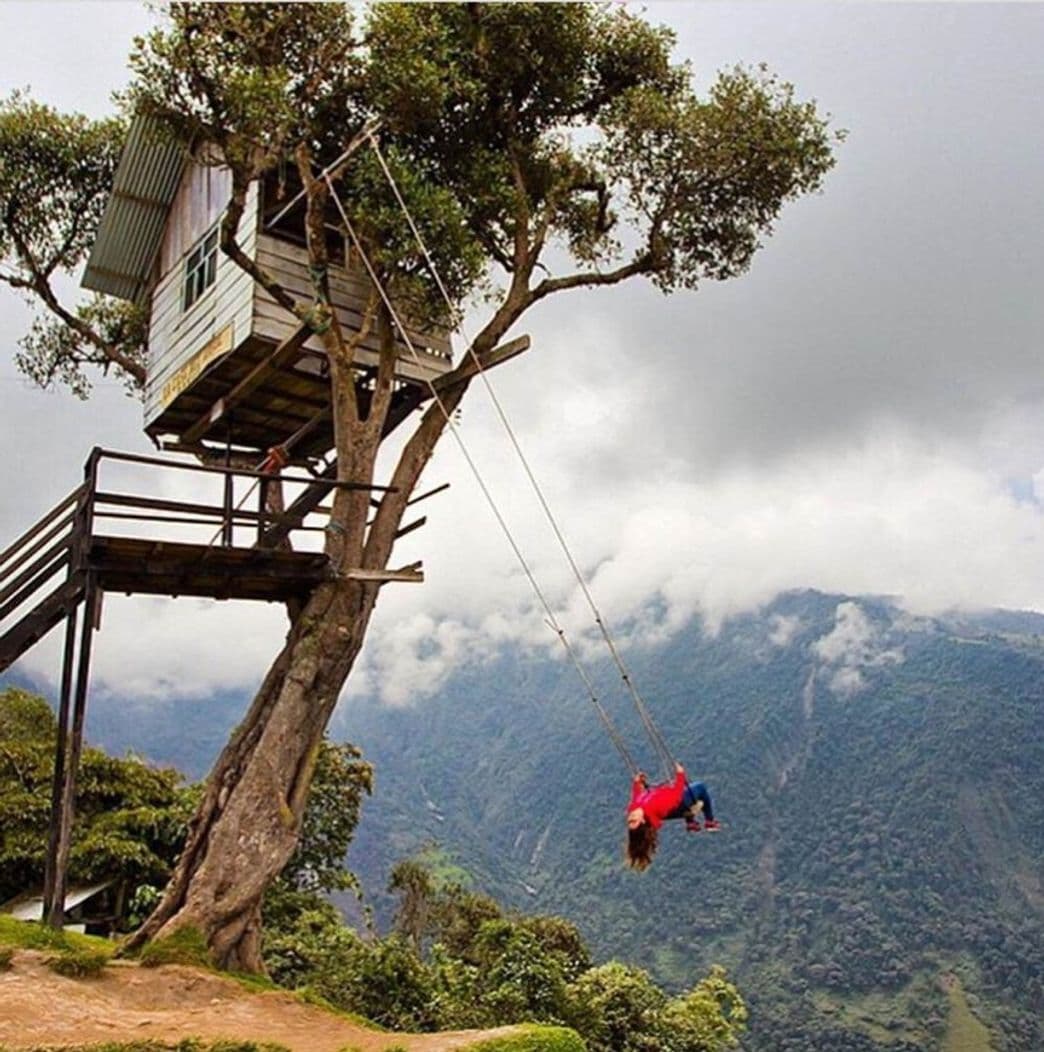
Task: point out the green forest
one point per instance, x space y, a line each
881 848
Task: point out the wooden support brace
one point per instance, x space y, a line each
468 368
412 574
284 353
415 525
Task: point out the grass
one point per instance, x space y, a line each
185 946
532 1038
965 1033
32 935
70 953
81 963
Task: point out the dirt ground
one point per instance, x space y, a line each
38 1007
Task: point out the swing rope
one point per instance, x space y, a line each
656 738
454 428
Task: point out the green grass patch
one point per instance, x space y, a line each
256 984
185 946
81 963
964 1032
32 935
6 953
307 995
533 1038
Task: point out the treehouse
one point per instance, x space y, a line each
226 363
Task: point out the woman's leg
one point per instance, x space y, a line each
697 791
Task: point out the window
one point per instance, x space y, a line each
201 268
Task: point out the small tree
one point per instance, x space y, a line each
412 882
132 817
540 148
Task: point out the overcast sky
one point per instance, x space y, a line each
862 412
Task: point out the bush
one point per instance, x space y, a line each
533 1039
6 953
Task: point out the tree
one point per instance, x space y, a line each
539 148
55 175
132 817
318 865
412 881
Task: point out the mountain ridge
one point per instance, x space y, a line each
877 775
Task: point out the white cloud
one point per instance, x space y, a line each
854 643
849 416
783 629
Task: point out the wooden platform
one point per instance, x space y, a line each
130 565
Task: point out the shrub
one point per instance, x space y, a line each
533 1039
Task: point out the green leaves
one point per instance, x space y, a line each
257 79
55 173
130 818
707 178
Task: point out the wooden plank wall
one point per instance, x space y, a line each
176 335
288 264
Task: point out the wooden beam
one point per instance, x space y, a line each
415 525
284 353
427 494
412 574
468 368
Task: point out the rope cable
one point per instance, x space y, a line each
652 731
552 621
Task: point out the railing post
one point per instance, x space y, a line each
262 507
86 518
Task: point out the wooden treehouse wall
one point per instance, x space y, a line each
221 318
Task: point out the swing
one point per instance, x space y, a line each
653 733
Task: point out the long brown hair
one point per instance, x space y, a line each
641 846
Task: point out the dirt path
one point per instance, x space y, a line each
38 1007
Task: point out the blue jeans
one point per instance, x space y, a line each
694 791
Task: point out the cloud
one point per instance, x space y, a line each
854 644
857 414
783 629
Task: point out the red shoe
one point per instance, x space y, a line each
693 827
711 825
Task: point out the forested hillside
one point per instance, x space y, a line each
878 778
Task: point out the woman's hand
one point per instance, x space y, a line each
678 768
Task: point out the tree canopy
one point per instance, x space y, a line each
131 816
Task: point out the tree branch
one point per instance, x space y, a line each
643 264
231 247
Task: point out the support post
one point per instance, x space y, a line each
56 907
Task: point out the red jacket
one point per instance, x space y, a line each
658 801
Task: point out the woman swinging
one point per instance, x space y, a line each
651 806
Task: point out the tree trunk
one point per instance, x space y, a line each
247 825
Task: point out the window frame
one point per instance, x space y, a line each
199 272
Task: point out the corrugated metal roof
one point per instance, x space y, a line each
131 229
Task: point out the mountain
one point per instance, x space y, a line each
878 777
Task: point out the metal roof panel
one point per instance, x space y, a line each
131 229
